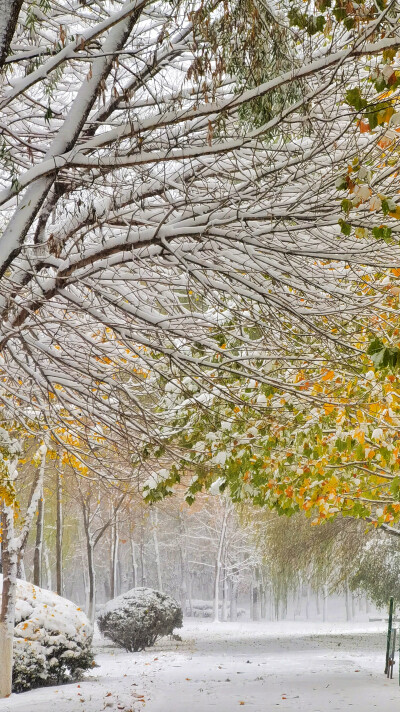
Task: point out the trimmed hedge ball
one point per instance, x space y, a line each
136 619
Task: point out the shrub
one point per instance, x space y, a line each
52 639
136 619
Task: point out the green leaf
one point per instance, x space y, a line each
341 183
355 99
346 205
382 233
349 23
345 227
372 117
375 346
383 356
339 13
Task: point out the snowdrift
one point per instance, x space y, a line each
52 639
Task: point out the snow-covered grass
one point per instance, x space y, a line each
307 667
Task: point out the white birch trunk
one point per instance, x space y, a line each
59 536
134 564
184 565
8 599
47 567
142 558
92 580
224 611
9 559
114 553
154 520
218 563
37 557
35 503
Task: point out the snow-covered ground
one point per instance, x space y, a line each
307 667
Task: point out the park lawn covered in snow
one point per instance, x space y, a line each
308 667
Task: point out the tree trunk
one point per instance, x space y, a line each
189 594
276 606
347 602
142 559
33 507
183 588
224 611
37 557
256 596
59 536
218 562
216 591
297 601
85 578
92 579
91 572
114 554
317 602
8 599
21 573
233 601
325 604
263 596
256 603
9 11
134 565
154 521
47 567
284 606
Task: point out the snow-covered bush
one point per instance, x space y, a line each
52 639
137 618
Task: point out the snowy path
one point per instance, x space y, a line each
307 667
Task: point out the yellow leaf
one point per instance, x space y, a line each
328 375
